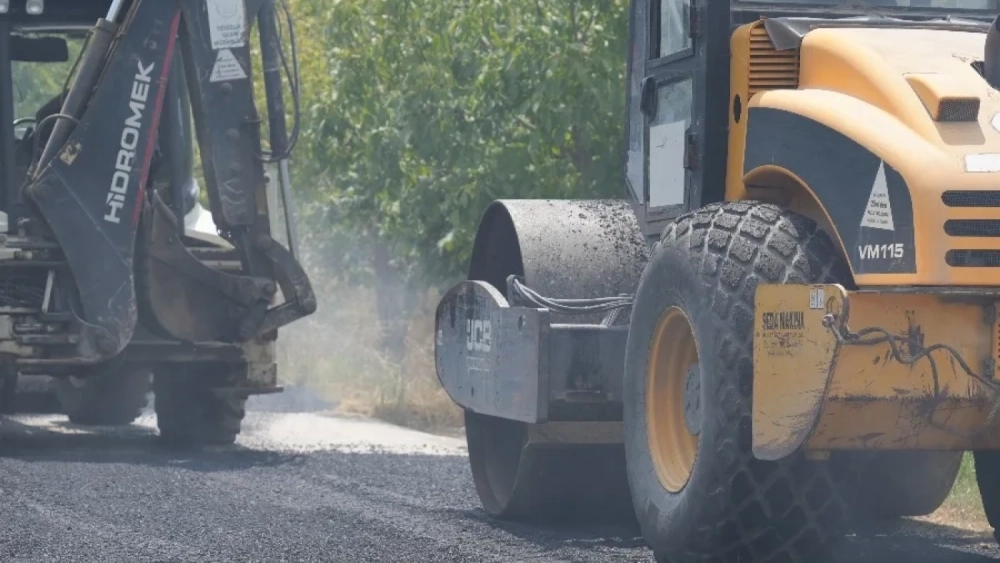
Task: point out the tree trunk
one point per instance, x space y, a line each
392 303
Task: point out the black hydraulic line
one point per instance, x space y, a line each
12 186
176 139
281 146
569 306
270 48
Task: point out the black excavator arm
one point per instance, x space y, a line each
90 188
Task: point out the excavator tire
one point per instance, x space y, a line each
193 408
35 394
115 398
898 484
698 491
8 393
518 480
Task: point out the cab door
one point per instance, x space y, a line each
664 78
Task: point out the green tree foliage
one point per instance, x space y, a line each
36 83
418 113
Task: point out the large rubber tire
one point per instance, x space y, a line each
8 393
193 408
987 465
115 398
516 480
897 484
731 506
35 394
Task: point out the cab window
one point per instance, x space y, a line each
673 27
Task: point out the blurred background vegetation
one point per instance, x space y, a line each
417 114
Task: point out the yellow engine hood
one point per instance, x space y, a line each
882 89
906 73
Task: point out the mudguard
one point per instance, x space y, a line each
860 186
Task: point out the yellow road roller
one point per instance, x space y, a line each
790 323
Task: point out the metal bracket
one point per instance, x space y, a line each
694 25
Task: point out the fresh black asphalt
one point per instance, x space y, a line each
289 492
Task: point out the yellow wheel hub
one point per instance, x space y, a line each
672 374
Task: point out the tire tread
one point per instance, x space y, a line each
113 399
771 511
190 410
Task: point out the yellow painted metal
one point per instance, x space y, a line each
673 351
836 370
935 90
882 88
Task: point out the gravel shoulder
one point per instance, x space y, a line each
310 487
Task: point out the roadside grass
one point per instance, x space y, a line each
963 508
335 353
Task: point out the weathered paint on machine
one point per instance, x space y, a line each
839 370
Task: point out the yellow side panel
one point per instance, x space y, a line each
756 67
907 371
739 84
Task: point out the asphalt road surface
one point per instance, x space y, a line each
307 487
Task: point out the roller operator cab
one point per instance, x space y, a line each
791 321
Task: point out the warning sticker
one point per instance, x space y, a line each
227 68
227 23
817 298
878 213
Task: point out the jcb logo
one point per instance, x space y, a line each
477 336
